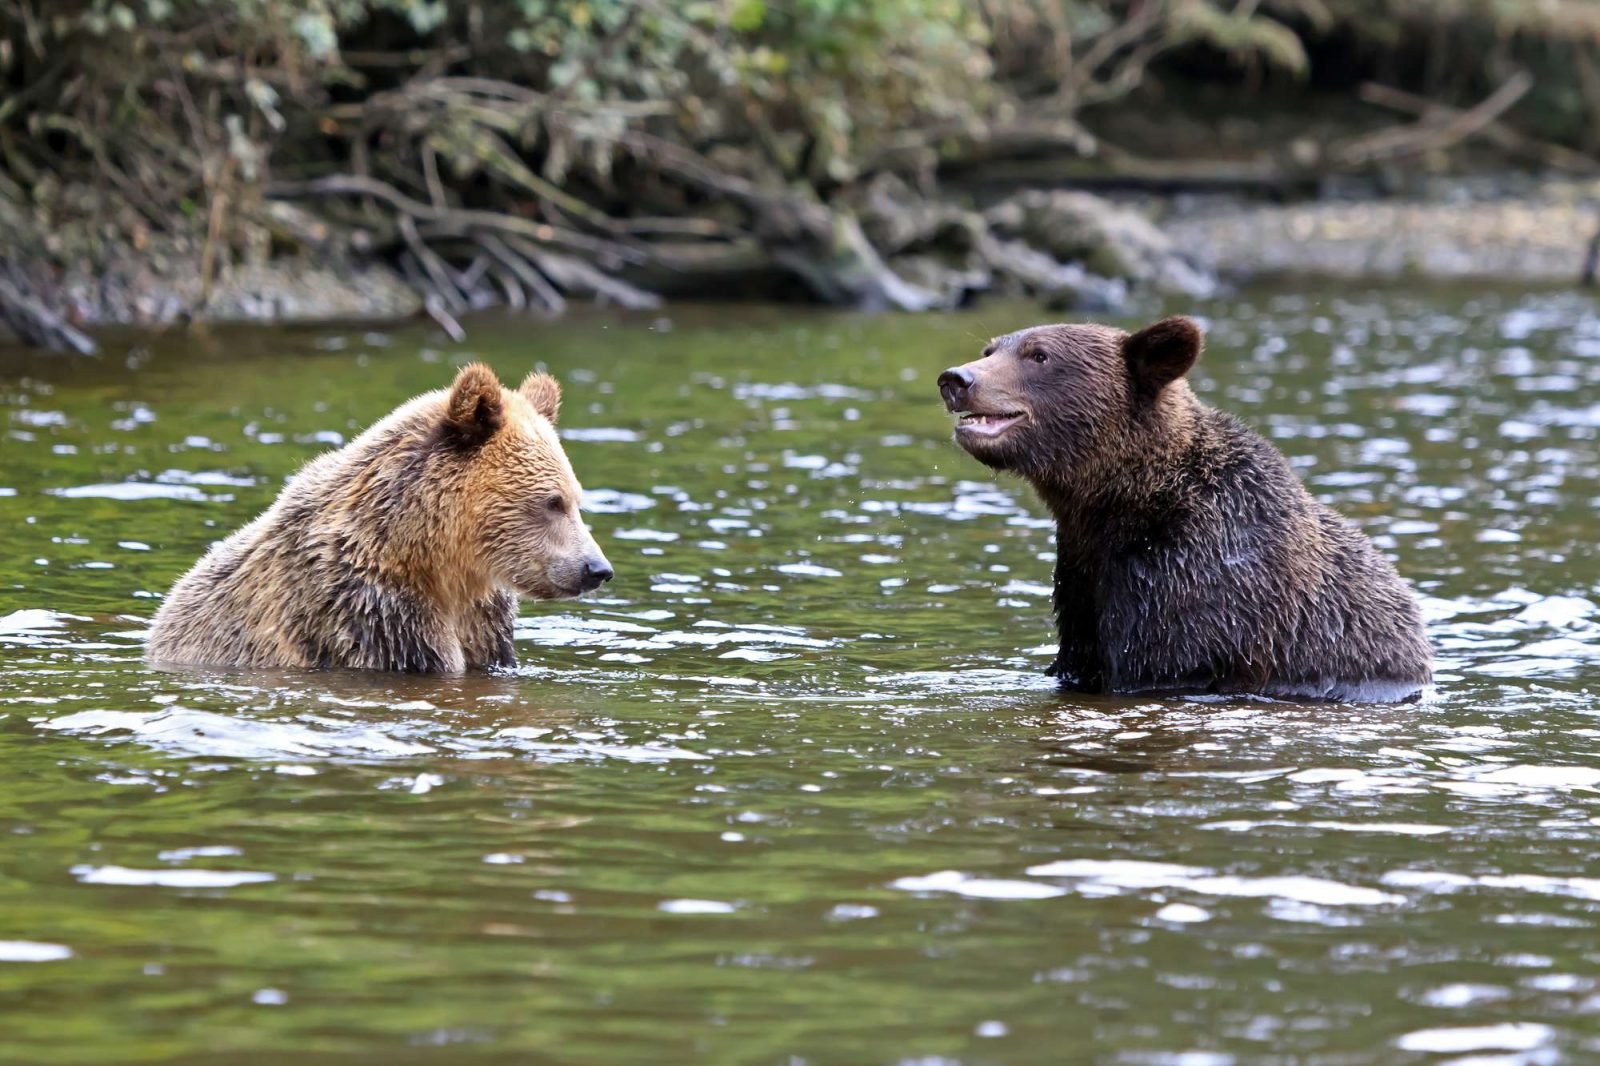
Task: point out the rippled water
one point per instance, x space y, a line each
794 789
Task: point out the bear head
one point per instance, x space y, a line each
1052 402
518 493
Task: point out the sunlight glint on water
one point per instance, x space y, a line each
794 785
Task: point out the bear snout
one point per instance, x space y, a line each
596 572
954 385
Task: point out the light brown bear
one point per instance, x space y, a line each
404 550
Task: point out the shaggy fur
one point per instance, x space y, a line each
1190 559
404 550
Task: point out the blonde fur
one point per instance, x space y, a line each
404 550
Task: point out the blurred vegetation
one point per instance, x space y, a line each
554 147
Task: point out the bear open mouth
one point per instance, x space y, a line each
982 424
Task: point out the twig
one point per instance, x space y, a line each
524 272
1496 133
1591 262
1427 136
433 303
219 207
430 173
458 221
1138 24
515 297
470 278
784 211
576 275
39 326
444 285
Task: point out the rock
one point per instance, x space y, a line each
852 273
1063 286
39 325
1105 238
954 279
1088 293
896 219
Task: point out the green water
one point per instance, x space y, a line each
793 789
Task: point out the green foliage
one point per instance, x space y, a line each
1239 33
835 71
153 97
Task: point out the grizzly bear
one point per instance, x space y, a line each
404 550
1189 558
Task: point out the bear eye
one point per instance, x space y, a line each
556 504
1038 356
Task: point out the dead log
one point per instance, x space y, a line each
1496 133
37 325
458 220
952 147
852 272
1451 128
436 310
1122 171
1591 261
576 275
522 276
694 268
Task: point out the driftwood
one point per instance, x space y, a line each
535 263
1591 262
1437 130
1121 170
1494 132
459 219
1047 160
36 324
957 147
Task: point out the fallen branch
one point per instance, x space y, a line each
436 310
1591 262
459 220
789 215
952 146
1427 136
1495 132
524 272
37 325
443 287
580 277
1123 170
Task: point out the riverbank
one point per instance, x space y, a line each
281 161
1505 230
1535 232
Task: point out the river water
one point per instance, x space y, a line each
793 789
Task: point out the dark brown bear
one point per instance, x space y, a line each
1190 559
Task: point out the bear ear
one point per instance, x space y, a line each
475 410
1161 354
544 392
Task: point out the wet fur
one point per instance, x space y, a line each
1190 559
405 550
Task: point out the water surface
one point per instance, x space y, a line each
794 788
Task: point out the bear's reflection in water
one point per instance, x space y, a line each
1209 736
269 713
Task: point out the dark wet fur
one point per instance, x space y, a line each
1190 559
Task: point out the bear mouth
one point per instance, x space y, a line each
987 425
546 589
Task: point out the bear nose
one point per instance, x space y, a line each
596 572
953 386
